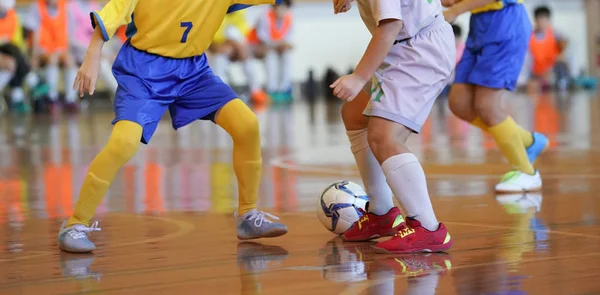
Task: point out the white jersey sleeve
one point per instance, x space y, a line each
386 9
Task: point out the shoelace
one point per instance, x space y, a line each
81 231
259 217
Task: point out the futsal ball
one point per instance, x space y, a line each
338 205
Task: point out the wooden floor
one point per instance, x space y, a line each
167 224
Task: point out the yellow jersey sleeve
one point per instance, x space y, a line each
496 5
114 15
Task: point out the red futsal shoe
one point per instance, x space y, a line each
371 226
414 238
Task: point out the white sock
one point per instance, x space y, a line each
271 61
286 71
70 94
52 73
424 285
407 179
250 72
380 194
5 77
107 75
220 64
17 95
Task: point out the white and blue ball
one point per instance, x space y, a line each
338 205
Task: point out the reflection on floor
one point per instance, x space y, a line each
167 225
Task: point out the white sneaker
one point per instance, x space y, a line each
518 181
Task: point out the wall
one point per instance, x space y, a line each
323 39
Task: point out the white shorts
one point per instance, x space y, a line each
413 75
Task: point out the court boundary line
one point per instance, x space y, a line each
184 228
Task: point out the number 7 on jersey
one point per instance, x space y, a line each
188 27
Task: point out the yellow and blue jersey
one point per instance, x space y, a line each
174 28
496 5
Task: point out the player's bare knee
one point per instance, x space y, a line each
353 119
378 139
460 105
486 111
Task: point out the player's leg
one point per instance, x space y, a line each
498 67
380 208
406 178
121 146
398 110
242 125
207 97
139 104
510 138
461 99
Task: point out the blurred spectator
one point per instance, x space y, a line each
81 31
272 38
230 44
460 42
13 66
48 20
547 49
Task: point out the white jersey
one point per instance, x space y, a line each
415 14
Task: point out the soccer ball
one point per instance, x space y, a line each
338 205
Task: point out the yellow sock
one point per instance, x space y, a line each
479 124
525 135
241 123
506 134
122 146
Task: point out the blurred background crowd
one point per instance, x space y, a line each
264 51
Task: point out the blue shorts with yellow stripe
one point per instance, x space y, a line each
150 84
496 48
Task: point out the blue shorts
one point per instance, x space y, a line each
149 84
496 48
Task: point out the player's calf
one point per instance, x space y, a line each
241 123
387 138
